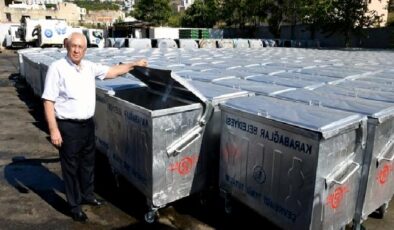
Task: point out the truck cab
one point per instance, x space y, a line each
95 37
14 37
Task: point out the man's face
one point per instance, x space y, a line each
76 48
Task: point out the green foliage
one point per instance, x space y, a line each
156 12
93 25
175 20
241 13
276 18
200 14
390 20
97 5
49 6
347 17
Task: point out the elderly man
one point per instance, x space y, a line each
69 104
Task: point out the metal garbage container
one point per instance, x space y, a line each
357 92
216 95
377 184
256 87
154 137
104 109
21 53
296 165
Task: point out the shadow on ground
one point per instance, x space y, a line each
27 175
33 102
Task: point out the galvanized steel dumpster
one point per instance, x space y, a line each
357 92
296 165
104 110
155 135
377 184
210 148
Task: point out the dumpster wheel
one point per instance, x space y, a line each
381 211
150 216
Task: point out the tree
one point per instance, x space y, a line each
285 12
202 13
175 19
276 9
156 12
242 13
314 13
347 17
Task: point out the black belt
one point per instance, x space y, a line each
80 121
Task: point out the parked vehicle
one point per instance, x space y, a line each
14 37
95 37
51 32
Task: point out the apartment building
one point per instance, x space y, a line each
73 14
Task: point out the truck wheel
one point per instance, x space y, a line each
150 217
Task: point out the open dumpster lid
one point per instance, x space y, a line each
217 93
119 83
328 122
168 83
374 109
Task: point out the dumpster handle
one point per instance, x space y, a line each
385 150
181 144
330 179
192 135
182 148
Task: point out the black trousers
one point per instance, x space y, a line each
77 159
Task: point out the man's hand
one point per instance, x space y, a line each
118 70
141 62
56 138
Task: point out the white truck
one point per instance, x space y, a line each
14 37
95 37
29 34
52 32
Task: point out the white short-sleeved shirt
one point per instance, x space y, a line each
73 88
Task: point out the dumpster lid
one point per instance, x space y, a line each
168 83
218 93
328 122
119 83
374 109
357 92
257 87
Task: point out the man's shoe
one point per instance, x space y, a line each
94 202
79 216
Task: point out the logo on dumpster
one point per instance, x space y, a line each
384 174
184 166
335 198
259 174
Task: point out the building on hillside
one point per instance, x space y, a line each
381 9
181 5
68 11
73 14
184 4
128 5
2 14
39 2
103 17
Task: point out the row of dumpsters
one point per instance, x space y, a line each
207 43
304 137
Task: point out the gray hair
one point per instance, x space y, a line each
73 34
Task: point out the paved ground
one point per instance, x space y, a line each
32 192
